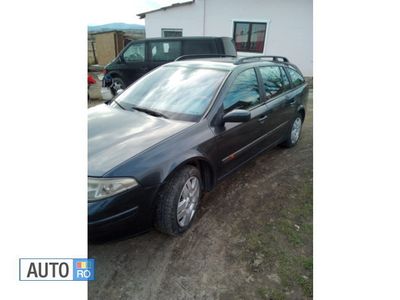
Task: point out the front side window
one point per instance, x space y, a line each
273 82
165 51
249 36
243 93
297 79
180 93
135 53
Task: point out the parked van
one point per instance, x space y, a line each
141 56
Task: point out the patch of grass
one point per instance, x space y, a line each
308 264
263 293
255 242
283 243
306 285
271 294
287 228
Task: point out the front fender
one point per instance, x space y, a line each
198 159
152 167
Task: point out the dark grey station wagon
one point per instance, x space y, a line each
180 129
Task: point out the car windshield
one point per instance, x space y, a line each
175 92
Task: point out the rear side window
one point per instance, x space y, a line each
134 53
243 93
165 50
297 79
273 82
199 47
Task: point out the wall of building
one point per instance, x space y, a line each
108 45
289 25
91 51
289 29
189 17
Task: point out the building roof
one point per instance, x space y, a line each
143 15
105 31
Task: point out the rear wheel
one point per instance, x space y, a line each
295 132
178 201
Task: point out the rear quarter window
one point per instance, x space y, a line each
199 47
297 78
229 46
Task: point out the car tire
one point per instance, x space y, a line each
294 133
118 84
178 201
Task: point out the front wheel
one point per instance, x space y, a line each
295 132
117 84
178 201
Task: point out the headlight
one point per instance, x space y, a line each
100 188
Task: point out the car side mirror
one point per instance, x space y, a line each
237 116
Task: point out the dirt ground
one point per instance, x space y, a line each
252 239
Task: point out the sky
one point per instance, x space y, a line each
112 11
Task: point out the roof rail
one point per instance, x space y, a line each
190 56
259 57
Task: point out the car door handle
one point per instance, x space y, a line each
290 100
262 118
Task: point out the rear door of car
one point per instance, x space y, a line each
237 142
299 88
163 51
279 102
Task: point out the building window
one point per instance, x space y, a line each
249 36
171 32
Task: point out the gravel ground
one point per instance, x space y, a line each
252 239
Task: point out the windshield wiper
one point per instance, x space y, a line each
113 100
149 111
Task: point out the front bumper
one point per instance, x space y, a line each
127 213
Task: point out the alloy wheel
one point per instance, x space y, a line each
188 201
296 129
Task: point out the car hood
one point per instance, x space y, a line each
115 135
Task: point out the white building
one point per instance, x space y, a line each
259 27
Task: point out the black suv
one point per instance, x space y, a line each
177 131
140 57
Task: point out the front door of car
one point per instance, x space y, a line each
133 62
237 142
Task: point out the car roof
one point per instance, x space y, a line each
179 38
226 63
